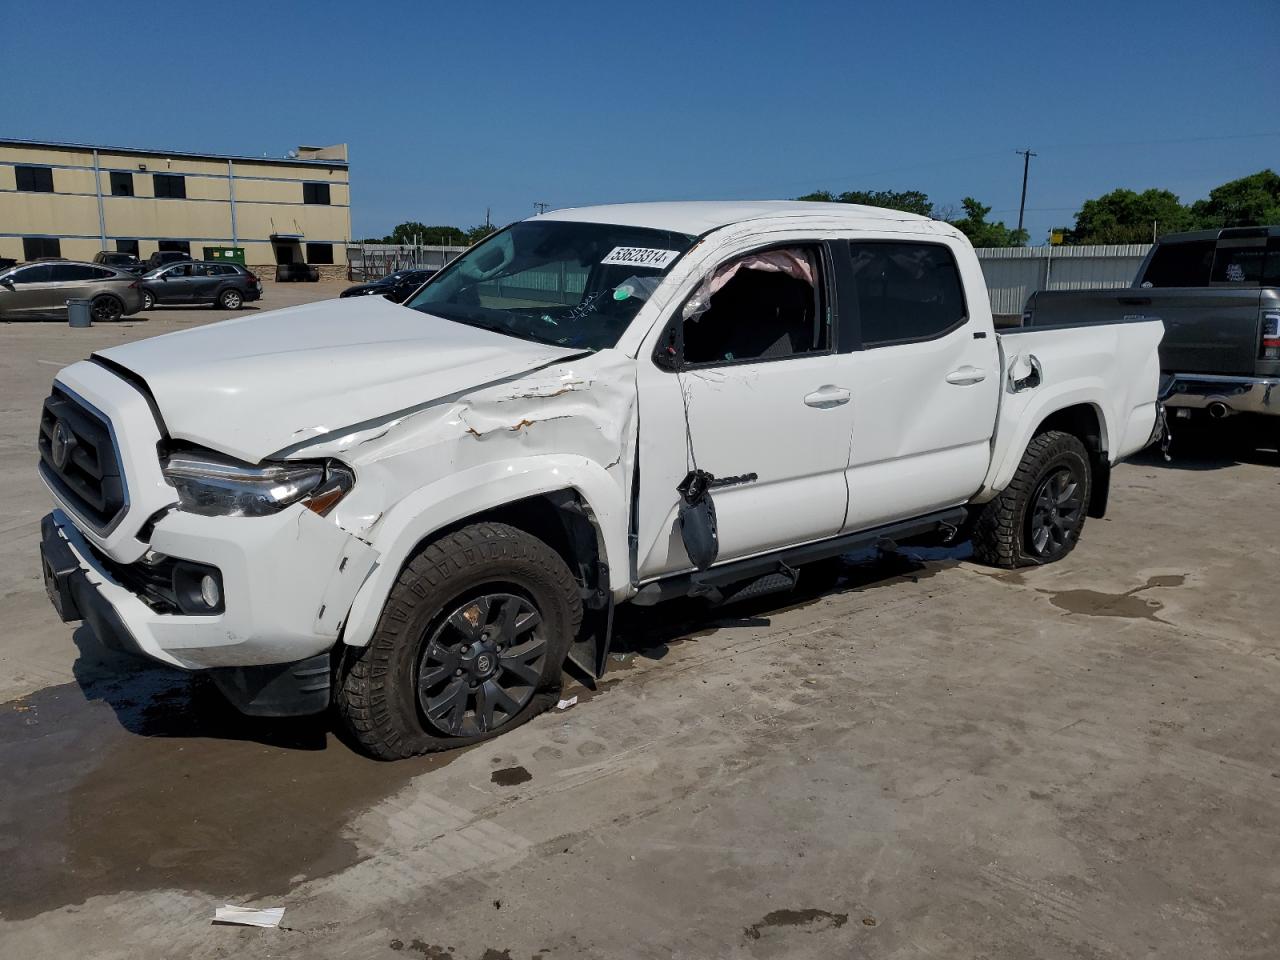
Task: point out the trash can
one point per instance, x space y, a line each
78 314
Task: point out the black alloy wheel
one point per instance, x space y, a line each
481 665
106 309
1057 511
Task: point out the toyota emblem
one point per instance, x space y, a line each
60 446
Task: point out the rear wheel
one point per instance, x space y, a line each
1037 518
230 299
148 300
469 645
106 309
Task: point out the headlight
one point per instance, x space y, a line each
217 486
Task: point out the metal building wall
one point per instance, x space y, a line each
1014 273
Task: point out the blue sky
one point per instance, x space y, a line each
452 108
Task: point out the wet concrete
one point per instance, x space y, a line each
147 780
902 758
797 918
1131 604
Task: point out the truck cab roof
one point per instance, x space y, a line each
702 216
1222 233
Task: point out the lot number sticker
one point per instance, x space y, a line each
641 257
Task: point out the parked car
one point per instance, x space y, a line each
396 287
163 257
40 290
120 261
418 514
1218 294
226 285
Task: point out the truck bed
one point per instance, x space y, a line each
1213 330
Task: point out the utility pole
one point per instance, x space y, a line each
539 207
1026 163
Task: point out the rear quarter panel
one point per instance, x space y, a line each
1112 368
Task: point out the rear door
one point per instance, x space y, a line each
206 279
926 380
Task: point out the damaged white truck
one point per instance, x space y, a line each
416 512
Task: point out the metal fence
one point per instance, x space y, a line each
1014 273
369 261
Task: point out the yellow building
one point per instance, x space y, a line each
72 200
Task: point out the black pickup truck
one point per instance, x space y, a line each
1218 293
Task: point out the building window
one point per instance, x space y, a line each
176 246
127 246
315 193
33 248
35 179
170 186
121 183
319 253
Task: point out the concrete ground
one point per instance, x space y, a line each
915 756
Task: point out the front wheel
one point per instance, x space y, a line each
469 645
1037 518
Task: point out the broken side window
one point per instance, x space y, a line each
764 306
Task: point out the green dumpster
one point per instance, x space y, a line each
230 254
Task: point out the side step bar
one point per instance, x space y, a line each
775 572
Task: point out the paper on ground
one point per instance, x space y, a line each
566 704
248 916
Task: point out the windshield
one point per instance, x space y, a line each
553 281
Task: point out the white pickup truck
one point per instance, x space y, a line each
416 512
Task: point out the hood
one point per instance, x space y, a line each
255 385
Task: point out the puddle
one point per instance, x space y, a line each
510 776
151 781
798 918
1130 604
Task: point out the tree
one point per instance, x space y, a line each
1124 216
911 201
414 232
983 233
1250 201
478 233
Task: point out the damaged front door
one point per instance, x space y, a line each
754 396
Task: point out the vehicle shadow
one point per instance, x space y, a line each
151 700
190 307
650 632
1198 448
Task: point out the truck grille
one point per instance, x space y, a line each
79 459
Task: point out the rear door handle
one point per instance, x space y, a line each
828 395
966 375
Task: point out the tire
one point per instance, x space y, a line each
445 613
230 299
148 300
106 309
1037 519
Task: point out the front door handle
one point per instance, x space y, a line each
826 396
966 375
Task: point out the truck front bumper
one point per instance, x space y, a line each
287 584
1203 391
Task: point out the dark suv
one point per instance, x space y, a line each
225 285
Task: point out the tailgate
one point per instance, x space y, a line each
1207 329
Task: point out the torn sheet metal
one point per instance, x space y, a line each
585 406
